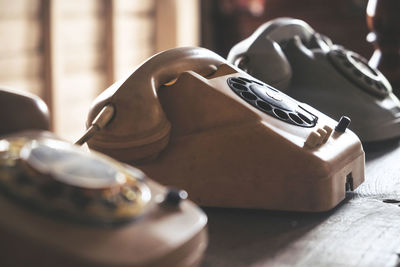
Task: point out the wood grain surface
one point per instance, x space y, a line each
364 230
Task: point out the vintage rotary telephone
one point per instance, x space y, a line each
64 206
196 122
288 54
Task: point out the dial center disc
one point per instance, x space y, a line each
71 165
272 96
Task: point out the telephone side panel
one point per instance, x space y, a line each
219 149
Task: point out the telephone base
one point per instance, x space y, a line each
31 238
257 191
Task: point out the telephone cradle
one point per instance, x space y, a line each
189 119
288 54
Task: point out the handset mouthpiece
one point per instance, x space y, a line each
99 122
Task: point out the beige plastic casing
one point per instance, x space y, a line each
225 152
161 236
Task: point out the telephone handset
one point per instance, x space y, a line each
196 122
65 206
289 54
139 126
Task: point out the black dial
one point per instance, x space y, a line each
272 101
357 70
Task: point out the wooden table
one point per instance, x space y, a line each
364 230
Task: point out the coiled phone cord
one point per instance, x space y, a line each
101 120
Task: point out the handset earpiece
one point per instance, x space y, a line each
263 59
32 112
283 29
139 129
261 54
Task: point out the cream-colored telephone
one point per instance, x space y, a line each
63 206
196 122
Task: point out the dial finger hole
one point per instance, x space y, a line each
249 96
295 118
236 80
304 118
239 86
281 114
264 105
245 80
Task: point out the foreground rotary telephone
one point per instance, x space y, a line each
288 54
196 122
64 206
